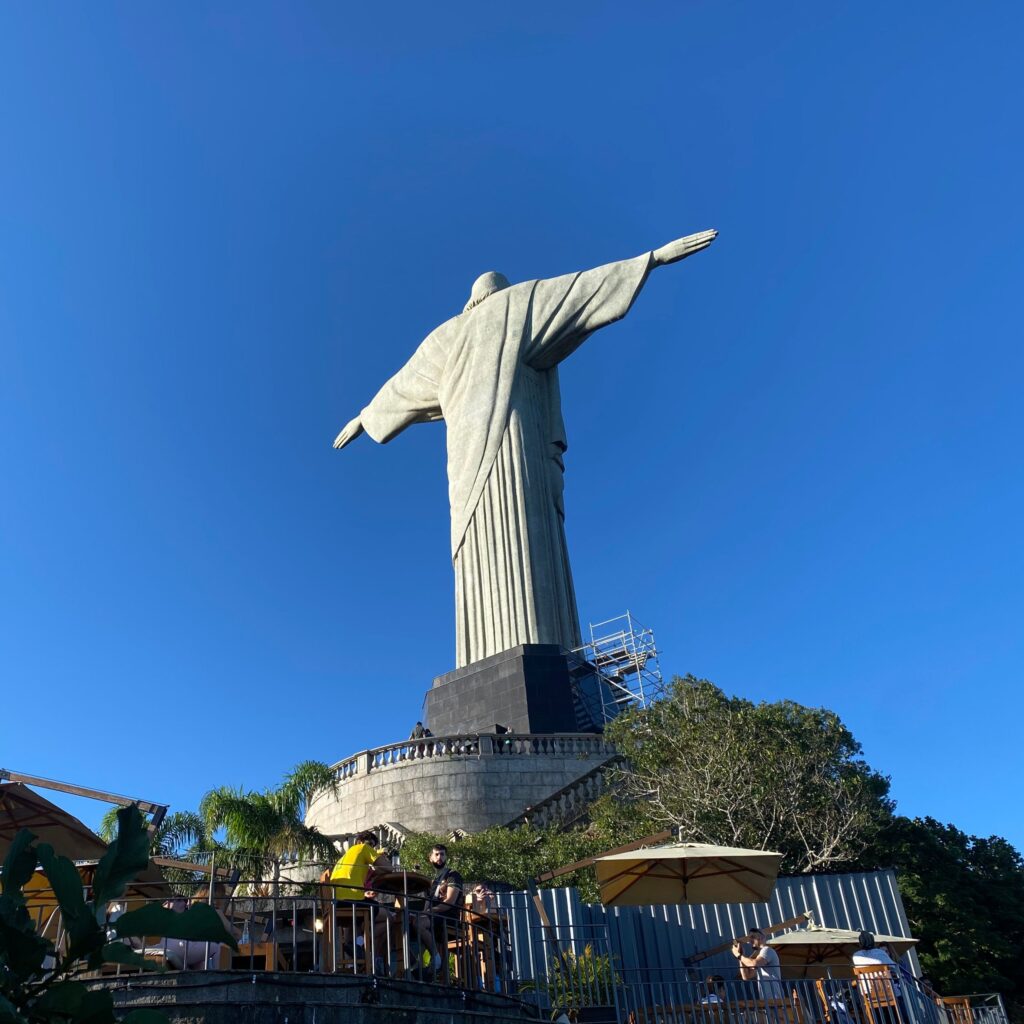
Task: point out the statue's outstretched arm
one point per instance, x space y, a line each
349 433
682 247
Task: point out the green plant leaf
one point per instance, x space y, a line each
22 950
64 998
85 934
117 953
97 1008
200 923
145 1017
9 1013
20 862
127 856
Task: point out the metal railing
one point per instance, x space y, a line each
394 935
582 745
704 997
980 1008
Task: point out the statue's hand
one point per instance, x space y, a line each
683 247
352 430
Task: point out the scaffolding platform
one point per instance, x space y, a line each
618 668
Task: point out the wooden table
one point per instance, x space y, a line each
480 946
407 888
399 883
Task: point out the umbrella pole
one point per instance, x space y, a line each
545 921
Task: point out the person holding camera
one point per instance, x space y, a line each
761 962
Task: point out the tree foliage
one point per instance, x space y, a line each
964 898
263 829
179 834
514 857
182 835
768 776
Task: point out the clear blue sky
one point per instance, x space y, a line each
799 459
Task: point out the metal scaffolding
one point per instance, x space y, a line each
616 669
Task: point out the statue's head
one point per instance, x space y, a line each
484 285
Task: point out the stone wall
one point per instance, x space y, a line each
466 782
232 997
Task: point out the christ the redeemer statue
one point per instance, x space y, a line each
491 373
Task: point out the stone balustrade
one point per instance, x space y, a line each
468 781
583 745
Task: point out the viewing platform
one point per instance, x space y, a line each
467 781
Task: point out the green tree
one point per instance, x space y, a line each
515 856
964 898
261 830
182 835
725 770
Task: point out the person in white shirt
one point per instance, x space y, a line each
765 963
870 955
715 990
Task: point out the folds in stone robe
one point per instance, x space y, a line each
491 374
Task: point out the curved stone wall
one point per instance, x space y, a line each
468 782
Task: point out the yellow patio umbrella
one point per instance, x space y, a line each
829 947
687 873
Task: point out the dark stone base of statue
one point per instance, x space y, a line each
517 737
532 688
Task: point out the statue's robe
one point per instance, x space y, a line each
491 374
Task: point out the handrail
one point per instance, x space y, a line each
473 744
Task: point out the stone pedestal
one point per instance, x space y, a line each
525 689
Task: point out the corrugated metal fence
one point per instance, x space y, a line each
659 938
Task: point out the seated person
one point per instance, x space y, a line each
481 899
351 878
443 906
715 986
870 955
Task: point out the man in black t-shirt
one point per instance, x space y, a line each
444 904
446 889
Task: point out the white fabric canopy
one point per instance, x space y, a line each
687 873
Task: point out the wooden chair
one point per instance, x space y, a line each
258 956
837 1002
336 919
477 942
959 1009
878 996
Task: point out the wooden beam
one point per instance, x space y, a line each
651 840
171 862
689 961
146 806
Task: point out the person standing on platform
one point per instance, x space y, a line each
765 963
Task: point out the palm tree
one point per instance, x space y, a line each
263 829
181 836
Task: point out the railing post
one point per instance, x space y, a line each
365 762
486 744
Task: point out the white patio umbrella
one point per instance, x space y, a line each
818 946
687 873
